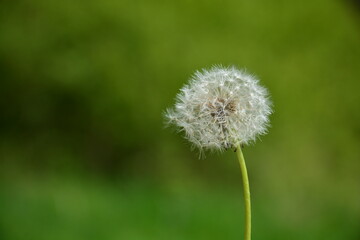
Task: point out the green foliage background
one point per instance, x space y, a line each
83 150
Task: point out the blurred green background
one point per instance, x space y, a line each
83 150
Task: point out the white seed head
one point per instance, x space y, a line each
220 108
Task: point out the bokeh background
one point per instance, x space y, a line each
83 150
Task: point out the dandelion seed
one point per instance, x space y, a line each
220 108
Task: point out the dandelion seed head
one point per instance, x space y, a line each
221 107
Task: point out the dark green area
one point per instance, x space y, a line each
83 150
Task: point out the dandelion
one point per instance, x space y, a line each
223 108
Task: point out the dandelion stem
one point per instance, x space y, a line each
246 188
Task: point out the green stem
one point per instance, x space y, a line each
246 188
